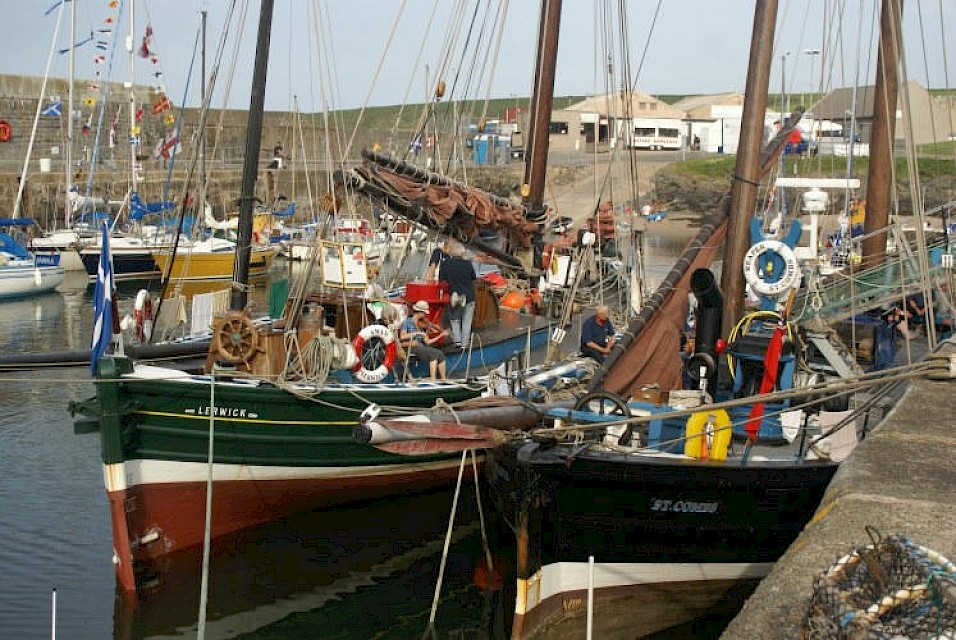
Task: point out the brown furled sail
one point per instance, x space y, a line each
649 353
443 205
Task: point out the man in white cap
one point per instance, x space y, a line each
416 336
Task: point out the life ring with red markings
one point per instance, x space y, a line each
376 361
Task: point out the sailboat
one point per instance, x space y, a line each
21 272
280 401
641 508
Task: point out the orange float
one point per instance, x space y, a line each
513 300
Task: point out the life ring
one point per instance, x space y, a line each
236 338
373 366
143 315
6 131
696 435
755 271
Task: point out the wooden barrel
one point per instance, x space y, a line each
486 306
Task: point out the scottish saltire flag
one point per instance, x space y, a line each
55 109
103 302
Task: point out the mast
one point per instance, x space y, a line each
880 173
201 201
746 178
69 119
536 162
250 164
133 127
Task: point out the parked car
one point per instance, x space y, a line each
804 147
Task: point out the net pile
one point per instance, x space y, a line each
891 589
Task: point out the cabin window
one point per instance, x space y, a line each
558 127
653 106
642 106
644 131
669 133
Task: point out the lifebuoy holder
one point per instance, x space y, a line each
376 361
756 272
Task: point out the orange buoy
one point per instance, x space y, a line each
513 300
481 579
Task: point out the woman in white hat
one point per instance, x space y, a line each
415 337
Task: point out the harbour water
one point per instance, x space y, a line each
367 571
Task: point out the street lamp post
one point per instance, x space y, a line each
784 99
812 53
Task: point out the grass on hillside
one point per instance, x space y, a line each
408 117
722 166
947 148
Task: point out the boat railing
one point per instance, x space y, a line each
847 294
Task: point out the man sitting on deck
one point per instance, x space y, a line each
597 335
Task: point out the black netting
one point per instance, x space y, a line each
892 589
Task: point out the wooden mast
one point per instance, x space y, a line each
536 161
746 178
250 165
879 176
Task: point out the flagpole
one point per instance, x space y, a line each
133 127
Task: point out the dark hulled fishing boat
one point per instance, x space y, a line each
672 515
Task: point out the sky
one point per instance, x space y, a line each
687 47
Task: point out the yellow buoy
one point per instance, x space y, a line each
707 435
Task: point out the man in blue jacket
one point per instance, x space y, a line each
460 275
597 335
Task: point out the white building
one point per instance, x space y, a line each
712 122
632 117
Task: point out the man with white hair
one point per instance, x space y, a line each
460 275
597 335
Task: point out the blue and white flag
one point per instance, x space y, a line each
103 302
55 109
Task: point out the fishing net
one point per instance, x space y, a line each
891 589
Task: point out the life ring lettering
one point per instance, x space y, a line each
375 363
755 271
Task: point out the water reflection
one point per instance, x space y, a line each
369 570
30 324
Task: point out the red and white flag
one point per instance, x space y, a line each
144 49
166 147
114 122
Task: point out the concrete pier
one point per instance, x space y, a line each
901 480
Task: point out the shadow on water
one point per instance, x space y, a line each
368 571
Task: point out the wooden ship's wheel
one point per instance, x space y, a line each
235 338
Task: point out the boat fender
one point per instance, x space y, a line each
702 424
143 315
756 275
369 369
